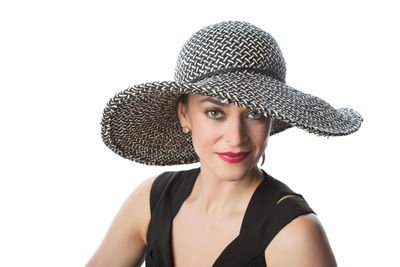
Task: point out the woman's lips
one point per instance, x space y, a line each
233 157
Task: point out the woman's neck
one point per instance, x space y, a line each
212 194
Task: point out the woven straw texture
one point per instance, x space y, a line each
233 61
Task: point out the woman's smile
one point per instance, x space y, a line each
233 157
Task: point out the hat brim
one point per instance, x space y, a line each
141 123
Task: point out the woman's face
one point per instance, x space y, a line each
221 129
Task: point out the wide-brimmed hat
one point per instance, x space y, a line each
235 62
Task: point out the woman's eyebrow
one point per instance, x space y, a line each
214 101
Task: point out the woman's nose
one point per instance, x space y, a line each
235 132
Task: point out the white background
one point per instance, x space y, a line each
60 62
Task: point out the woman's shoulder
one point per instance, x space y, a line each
125 241
138 205
303 241
135 211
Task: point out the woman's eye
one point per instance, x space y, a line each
255 115
214 114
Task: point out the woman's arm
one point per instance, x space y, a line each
301 243
125 241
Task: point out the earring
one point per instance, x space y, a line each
185 130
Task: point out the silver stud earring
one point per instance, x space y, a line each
185 130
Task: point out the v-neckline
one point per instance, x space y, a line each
242 225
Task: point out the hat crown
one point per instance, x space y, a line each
226 47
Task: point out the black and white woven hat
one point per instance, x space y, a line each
233 61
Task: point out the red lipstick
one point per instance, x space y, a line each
233 157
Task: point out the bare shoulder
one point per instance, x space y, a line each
303 242
139 200
136 209
125 241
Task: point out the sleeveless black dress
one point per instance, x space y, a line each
261 222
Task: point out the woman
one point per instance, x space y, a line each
228 97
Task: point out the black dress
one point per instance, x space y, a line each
261 222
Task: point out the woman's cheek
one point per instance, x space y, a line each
204 139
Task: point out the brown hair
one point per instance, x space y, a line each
183 99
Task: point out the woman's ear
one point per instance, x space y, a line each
183 114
